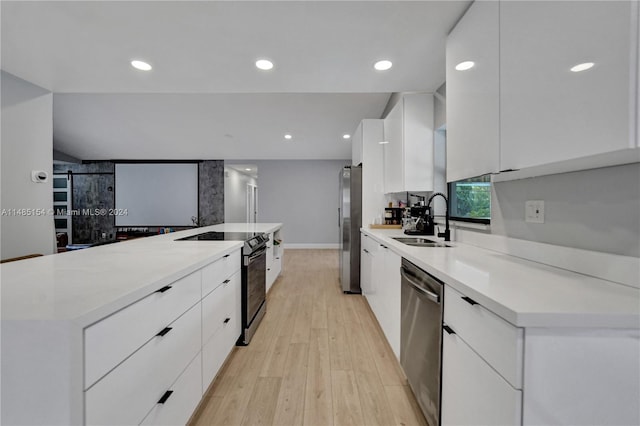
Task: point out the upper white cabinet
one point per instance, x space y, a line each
366 149
549 113
473 134
408 153
521 107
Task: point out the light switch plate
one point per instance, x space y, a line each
534 211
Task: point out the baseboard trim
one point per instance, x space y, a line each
311 246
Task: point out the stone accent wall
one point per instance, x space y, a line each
211 192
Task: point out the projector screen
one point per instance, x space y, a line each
156 194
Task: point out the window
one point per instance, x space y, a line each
470 199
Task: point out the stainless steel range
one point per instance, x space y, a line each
254 279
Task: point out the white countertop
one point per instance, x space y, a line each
525 293
86 285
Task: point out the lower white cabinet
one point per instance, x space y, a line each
163 380
274 258
383 288
366 264
126 394
223 320
472 392
179 402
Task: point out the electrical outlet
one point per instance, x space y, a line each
534 211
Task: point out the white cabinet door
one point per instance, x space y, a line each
392 150
473 133
377 280
366 265
549 113
418 154
373 198
408 151
390 300
176 408
472 392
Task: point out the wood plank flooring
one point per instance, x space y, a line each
318 358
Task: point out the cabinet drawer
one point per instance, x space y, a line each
110 341
219 305
369 244
215 273
472 392
185 396
494 339
129 392
216 350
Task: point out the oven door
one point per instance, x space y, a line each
256 283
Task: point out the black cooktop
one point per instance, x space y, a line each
221 236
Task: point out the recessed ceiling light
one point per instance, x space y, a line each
288 136
248 170
346 136
141 65
264 64
383 65
582 67
466 65
383 142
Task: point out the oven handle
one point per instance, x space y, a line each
254 255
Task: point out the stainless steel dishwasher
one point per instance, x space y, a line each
421 337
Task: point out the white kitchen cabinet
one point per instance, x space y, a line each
222 325
496 373
126 394
548 113
382 289
176 408
110 341
274 257
177 339
481 365
473 130
472 392
366 265
408 151
366 149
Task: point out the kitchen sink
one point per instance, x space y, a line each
420 242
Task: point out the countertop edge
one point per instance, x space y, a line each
516 318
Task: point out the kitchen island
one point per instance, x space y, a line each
524 343
92 336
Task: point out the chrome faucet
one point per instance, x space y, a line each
447 233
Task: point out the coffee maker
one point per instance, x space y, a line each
421 217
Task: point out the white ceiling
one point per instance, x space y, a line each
203 54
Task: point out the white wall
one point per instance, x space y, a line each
235 195
303 195
27 144
592 210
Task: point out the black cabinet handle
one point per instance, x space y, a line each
164 331
469 300
226 281
226 320
163 289
226 255
365 250
164 398
448 329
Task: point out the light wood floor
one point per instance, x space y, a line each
318 358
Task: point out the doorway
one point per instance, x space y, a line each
252 203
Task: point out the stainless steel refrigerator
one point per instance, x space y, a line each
350 221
